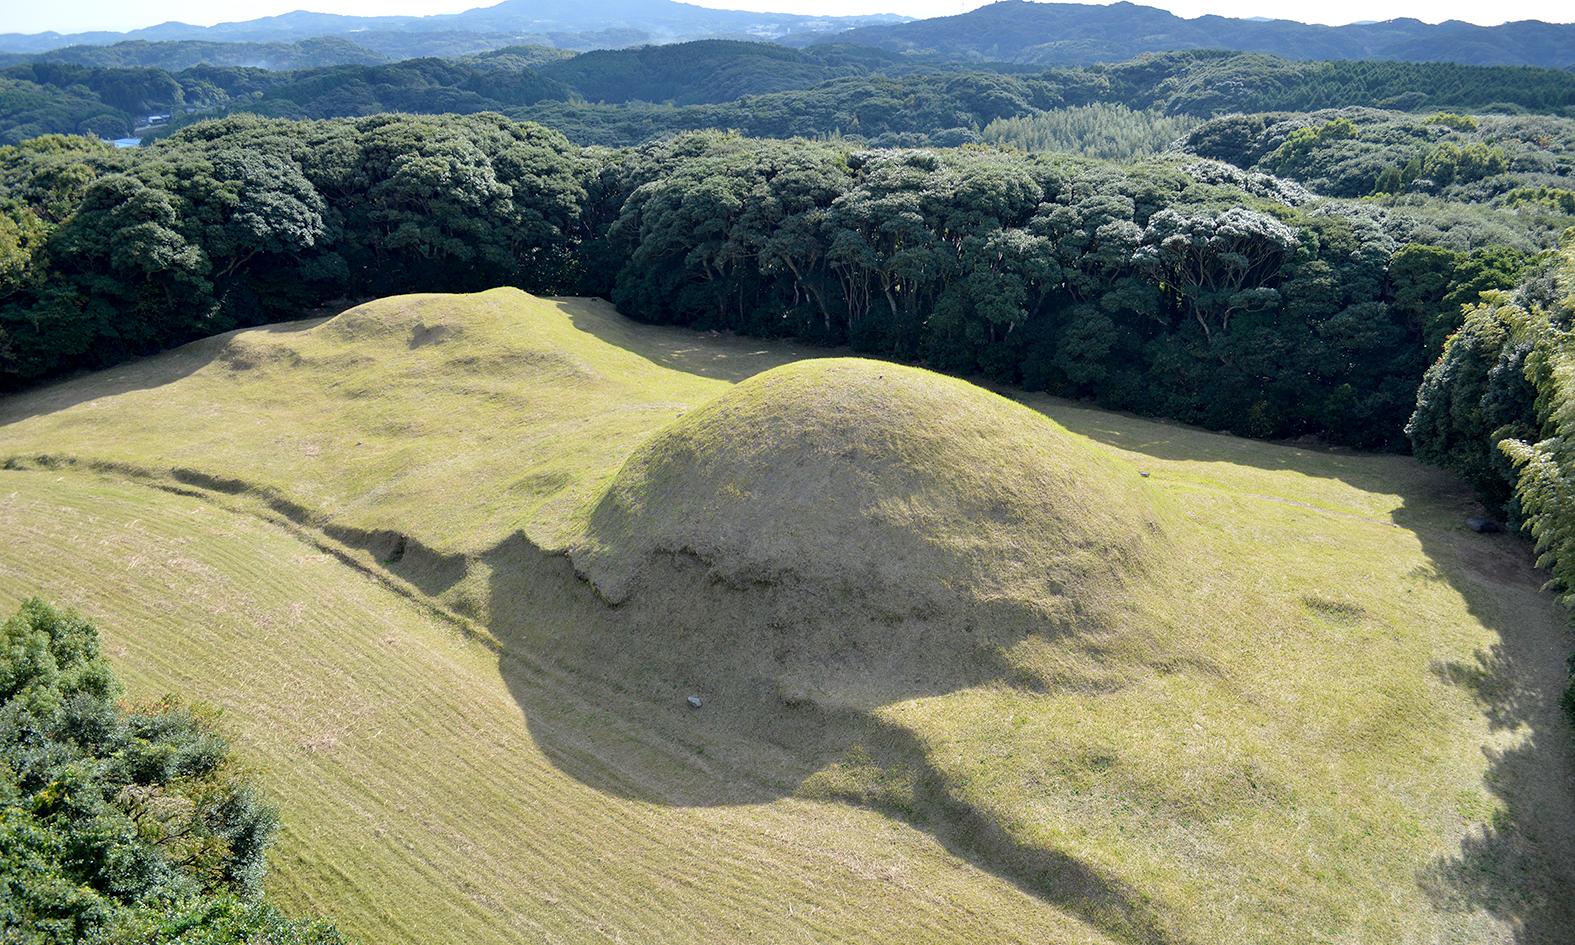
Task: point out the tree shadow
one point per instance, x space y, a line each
139 374
717 355
613 714
760 737
1157 438
1517 864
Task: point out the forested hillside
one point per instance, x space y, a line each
1362 152
1173 287
1114 132
577 24
1073 34
173 56
623 97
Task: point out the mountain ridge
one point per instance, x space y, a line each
659 20
1081 34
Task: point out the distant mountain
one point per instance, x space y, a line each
1079 34
577 23
175 55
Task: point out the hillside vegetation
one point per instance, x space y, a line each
627 96
1172 286
970 669
1058 33
574 24
1113 132
1076 33
1358 152
121 823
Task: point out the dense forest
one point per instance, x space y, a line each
1358 152
1498 408
1040 33
122 824
1174 286
1114 132
175 56
568 24
625 97
1076 34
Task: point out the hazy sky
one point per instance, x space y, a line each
32 16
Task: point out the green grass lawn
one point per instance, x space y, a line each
451 564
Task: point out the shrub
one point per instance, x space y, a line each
126 825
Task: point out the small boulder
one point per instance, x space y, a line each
1483 525
694 702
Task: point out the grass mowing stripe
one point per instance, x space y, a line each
1324 712
338 811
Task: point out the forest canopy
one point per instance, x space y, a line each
1173 286
627 96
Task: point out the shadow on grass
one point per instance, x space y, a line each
1518 864
140 374
717 355
755 741
1168 440
611 712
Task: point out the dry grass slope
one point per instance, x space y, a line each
896 523
453 563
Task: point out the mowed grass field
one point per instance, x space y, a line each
450 565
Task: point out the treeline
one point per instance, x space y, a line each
1213 83
175 55
941 109
711 71
46 97
922 107
121 824
623 97
1112 132
1357 152
1080 33
106 254
1167 288
1498 409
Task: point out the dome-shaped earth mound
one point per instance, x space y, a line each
866 503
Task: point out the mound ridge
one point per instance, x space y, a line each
874 502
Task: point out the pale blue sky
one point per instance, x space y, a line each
32 16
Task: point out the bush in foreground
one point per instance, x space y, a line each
126 825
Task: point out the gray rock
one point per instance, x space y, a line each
694 702
1483 525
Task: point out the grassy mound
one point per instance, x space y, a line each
882 521
967 675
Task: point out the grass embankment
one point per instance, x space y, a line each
1263 693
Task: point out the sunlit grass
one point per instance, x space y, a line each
1300 702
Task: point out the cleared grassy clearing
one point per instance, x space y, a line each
417 805
1299 702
